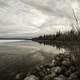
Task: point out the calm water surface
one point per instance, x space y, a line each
21 56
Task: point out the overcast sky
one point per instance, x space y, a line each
20 18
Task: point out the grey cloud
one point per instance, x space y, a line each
59 8
5 23
29 18
3 4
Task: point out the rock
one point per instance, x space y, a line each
20 76
41 74
57 63
47 71
72 68
66 63
77 72
41 67
53 62
73 76
53 74
61 68
38 68
31 77
70 71
67 73
50 76
49 65
57 70
57 58
64 69
61 77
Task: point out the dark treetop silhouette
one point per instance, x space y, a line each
63 37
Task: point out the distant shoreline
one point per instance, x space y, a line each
14 39
55 41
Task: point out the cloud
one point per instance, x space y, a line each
3 4
16 19
59 8
34 17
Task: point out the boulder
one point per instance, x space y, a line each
66 63
64 69
73 76
50 76
61 77
56 69
53 62
20 76
31 77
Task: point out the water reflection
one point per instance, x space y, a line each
21 56
72 48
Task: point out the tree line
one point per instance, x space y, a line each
59 36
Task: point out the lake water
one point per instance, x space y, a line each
18 56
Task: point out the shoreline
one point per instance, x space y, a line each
62 67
